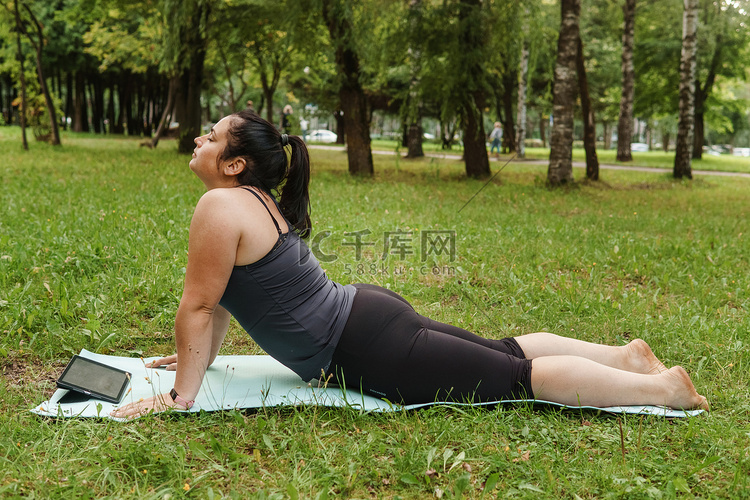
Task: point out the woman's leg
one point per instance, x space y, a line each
387 349
574 381
635 357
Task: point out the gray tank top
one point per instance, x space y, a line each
289 306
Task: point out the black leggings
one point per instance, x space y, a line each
391 351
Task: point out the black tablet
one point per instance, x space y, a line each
94 379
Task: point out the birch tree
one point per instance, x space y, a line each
683 151
625 122
560 169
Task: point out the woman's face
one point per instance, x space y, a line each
208 148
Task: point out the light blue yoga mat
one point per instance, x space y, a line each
235 382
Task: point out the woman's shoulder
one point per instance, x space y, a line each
217 203
218 198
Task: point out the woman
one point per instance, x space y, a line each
246 259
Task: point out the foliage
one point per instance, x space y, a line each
601 33
126 36
722 33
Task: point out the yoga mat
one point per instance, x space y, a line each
235 382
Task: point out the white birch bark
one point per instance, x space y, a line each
686 123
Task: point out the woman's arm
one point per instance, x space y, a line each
220 328
201 324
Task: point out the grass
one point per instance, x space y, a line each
93 240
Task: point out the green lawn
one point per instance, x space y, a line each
93 242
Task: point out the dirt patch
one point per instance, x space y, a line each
25 372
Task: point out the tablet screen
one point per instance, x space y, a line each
97 379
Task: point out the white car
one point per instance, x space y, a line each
638 146
321 136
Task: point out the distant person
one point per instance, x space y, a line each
286 124
248 260
303 125
496 138
250 105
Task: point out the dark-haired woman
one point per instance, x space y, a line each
247 259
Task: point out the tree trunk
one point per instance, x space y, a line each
357 127
267 97
543 129
22 77
126 103
589 123
414 140
340 127
471 103
351 95
111 125
98 107
190 81
701 94
560 169
80 109
447 134
413 118
475 149
167 113
141 117
69 99
521 113
11 116
625 123
607 135
509 127
683 147
699 131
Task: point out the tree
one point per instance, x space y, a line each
625 122
560 169
252 40
338 17
589 124
413 103
523 78
722 42
471 42
21 77
187 40
533 32
683 150
119 67
38 44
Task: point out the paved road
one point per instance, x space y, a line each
655 170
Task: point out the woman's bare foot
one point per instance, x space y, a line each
681 391
642 359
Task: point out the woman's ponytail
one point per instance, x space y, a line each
295 195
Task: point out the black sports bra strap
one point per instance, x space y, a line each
267 209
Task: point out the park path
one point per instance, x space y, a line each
656 170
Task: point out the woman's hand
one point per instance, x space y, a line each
155 404
170 361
